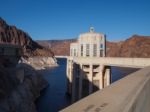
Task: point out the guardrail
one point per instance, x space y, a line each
61 56
114 61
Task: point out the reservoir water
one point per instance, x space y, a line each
54 97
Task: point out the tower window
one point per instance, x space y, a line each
94 50
81 49
74 52
101 53
87 49
101 46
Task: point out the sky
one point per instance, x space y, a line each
66 19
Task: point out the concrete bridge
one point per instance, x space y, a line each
113 61
98 69
130 94
61 56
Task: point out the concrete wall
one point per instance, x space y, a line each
117 61
130 94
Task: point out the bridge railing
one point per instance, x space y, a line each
114 61
61 56
130 94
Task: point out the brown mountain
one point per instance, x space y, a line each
112 48
59 47
135 46
12 35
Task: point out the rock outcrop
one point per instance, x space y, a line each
19 87
40 62
12 35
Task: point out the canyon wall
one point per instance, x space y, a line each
14 36
19 88
135 46
59 47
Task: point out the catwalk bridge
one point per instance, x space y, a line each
111 61
130 94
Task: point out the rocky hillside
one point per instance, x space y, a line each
19 88
113 48
20 83
12 35
135 46
59 47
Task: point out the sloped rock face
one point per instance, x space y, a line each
12 35
19 94
40 62
113 49
135 46
21 85
7 82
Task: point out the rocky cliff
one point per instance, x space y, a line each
19 87
12 35
134 46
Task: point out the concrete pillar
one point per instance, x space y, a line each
69 75
80 81
90 77
101 79
67 70
108 75
71 70
73 84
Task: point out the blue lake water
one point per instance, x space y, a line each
54 97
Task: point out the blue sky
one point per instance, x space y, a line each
65 19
